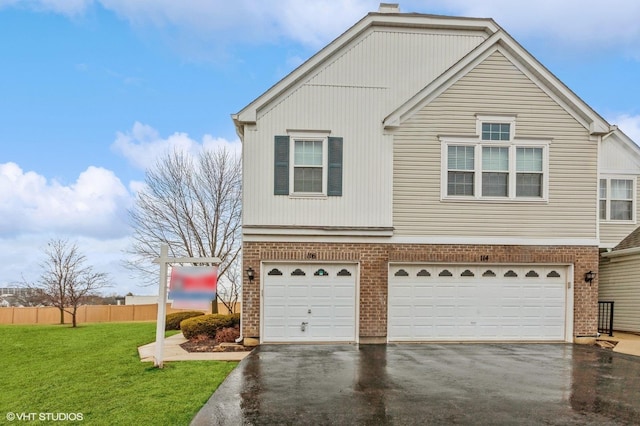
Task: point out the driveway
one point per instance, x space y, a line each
411 384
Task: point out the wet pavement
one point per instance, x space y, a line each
554 384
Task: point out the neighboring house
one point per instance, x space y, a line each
619 165
422 178
619 233
142 300
620 282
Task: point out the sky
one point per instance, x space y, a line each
93 91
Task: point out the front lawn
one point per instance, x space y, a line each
95 370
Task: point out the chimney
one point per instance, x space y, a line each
389 8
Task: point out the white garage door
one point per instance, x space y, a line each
309 303
454 303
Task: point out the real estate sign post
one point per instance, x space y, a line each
190 287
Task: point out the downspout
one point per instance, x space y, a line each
240 132
241 338
601 138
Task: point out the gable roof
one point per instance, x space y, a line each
502 42
248 114
497 40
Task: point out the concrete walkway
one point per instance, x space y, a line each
173 352
627 343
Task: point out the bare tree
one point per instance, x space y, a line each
229 288
194 206
29 298
66 280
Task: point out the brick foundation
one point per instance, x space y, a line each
374 259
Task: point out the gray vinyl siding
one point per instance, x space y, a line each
403 62
615 160
496 86
367 166
349 96
619 281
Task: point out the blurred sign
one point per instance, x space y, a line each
193 287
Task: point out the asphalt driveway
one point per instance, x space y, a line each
554 384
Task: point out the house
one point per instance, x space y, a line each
619 233
620 282
423 178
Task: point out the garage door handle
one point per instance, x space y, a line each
303 326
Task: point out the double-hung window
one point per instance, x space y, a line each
617 199
461 170
308 164
494 165
529 171
495 171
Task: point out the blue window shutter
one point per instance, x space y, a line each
281 166
334 184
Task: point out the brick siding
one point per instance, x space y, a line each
374 260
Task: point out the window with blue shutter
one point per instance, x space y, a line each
334 175
299 163
281 166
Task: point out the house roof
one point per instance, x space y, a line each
631 241
248 114
497 40
502 42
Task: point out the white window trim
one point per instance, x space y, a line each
502 119
319 136
478 143
634 207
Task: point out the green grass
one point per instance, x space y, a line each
95 370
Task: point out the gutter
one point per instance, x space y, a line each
623 252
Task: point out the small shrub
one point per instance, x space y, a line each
206 324
174 319
227 335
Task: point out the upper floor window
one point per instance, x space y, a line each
494 165
308 164
496 131
461 170
617 199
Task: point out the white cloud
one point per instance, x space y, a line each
254 21
142 146
23 254
584 24
630 125
197 26
94 205
315 23
91 212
